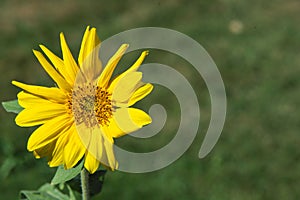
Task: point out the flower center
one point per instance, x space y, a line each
90 105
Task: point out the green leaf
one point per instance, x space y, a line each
52 192
47 192
71 193
63 175
30 195
12 106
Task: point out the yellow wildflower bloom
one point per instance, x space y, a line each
82 115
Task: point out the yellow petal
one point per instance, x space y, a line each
110 66
74 150
139 117
58 152
82 51
27 100
108 157
91 163
127 120
53 93
48 132
88 134
91 66
91 138
138 62
39 114
58 64
140 93
56 160
52 72
88 45
133 68
99 146
126 87
69 61
113 130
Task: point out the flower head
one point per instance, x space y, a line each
80 118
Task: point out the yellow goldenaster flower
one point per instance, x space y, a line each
80 117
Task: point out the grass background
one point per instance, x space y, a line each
257 156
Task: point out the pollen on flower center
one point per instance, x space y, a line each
90 105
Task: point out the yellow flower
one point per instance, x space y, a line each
82 115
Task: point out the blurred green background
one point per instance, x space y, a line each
255 45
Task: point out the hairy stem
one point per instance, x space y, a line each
84 176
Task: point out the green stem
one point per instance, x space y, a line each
84 175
